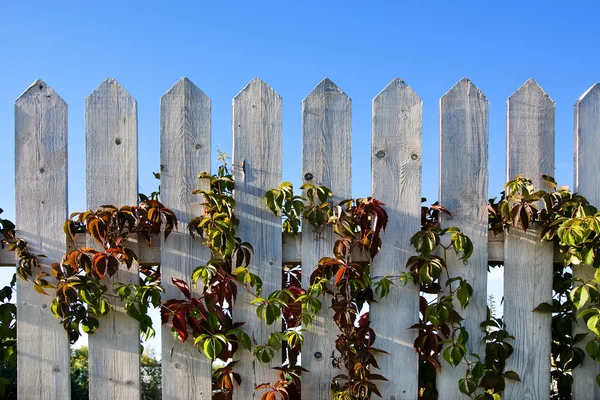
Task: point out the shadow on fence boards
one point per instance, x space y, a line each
185 135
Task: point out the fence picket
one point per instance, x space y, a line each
41 209
112 178
326 160
464 137
257 168
528 261
396 171
185 152
587 183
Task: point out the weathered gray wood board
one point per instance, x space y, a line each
150 255
112 178
528 261
43 370
257 168
587 183
396 175
185 152
326 159
464 138
7 258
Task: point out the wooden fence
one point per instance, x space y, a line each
185 136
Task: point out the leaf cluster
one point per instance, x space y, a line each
572 224
205 313
441 333
80 289
314 207
8 331
359 224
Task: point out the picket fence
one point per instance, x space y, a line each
185 136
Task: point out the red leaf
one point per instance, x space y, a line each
179 323
164 315
183 286
200 306
112 265
72 260
340 274
193 322
99 264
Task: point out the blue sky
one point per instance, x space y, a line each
221 45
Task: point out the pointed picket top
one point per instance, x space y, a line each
110 86
464 87
258 85
395 88
587 183
592 94
529 89
184 84
587 138
326 86
39 88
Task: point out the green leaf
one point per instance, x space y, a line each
211 348
213 321
593 349
550 180
272 314
244 340
580 296
478 370
104 307
588 312
467 386
512 375
592 324
458 352
544 308
264 354
464 293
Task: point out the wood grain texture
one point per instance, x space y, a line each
587 183
112 178
396 179
257 168
41 195
528 261
184 153
327 155
7 258
292 249
464 137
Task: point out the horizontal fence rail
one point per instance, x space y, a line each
291 250
185 139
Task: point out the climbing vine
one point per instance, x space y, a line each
441 333
82 293
570 222
8 310
358 224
